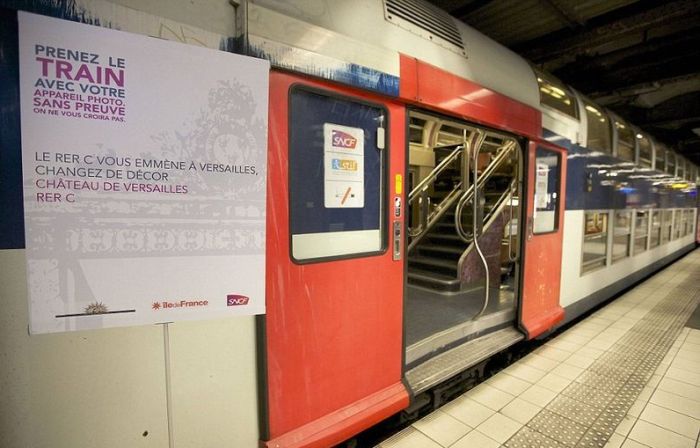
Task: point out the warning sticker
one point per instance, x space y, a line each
344 172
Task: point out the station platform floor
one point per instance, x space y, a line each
626 376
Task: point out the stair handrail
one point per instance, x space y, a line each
420 192
469 193
501 203
512 256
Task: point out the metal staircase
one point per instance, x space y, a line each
444 235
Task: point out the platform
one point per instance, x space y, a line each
626 376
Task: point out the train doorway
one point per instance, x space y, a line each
464 241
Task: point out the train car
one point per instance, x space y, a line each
492 204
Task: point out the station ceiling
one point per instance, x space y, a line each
640 59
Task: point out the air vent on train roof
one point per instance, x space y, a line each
427 21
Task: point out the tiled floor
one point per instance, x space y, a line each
628 376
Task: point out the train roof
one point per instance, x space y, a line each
327 37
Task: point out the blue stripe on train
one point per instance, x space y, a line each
599 181
349 73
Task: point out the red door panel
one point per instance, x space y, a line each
333 329
540 309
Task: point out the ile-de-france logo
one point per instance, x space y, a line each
342 139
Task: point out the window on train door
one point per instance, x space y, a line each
546 214
337 164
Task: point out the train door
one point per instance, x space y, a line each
540 309
464 244
331 341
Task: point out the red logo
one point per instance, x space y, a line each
235 300
343 140
155 306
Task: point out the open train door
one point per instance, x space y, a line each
546 176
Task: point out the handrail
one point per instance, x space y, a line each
513 255
500 204
469 193
436 171
420 192
475 218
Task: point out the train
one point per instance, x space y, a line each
497 204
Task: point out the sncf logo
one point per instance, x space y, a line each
235 300
343 140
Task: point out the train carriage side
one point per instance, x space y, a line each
631 208
441 249
416 218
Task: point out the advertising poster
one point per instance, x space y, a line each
144 165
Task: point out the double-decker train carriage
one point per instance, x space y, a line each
488 204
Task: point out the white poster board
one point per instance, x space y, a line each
344 168
144 166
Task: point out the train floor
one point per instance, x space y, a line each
429 312
626 376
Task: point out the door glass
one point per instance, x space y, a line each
336 176
546 215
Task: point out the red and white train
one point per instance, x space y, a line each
497 204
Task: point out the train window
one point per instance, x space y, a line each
598 128
595 241
625 141
546 213
622 229
671 163
645 152
555 95
336 176
688 222
655 233
660 158
680 163
666 220
641 231
677 224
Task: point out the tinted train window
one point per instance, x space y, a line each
660 158
677 224
641 231
595 241
655 234
336 176
598 129
666 220
625 141
555 94
645 152
622 230
690 220
671 163
545 216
